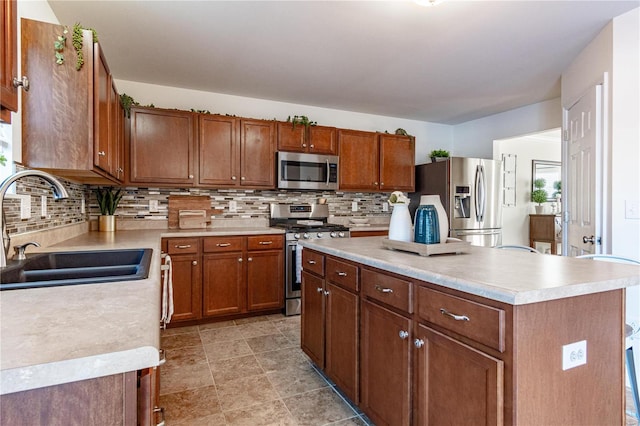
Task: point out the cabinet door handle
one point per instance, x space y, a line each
265 243
383 289
194 263
311 262
186 246
311 146
163 357
304 145
418 343
341 274
160 410
249 259
319 289
454 316
101 153
375 183
223 244
239 259
233 178
24 83
326 293
403 334
242 178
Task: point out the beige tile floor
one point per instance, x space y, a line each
246 372
251 372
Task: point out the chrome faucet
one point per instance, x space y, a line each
59 192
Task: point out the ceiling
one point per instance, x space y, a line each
451 63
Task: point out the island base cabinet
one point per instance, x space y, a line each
312 321
341 350
109 400
455 383
385 365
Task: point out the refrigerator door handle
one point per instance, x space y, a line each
482 191
479 194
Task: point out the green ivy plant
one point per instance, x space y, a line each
301 119
76 39
108 200
3 160
127 102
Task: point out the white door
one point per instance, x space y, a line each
584 176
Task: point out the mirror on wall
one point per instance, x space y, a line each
551 172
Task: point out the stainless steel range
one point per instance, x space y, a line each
301 222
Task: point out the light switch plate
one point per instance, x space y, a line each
43 204
153 206
233 206
574 354
25 207
354 206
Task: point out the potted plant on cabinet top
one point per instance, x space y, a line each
108 199
539 195
438 155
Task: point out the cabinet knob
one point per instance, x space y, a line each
381 183
242 178
418 343
326 293
311 146
102 153
194 263
239 259
190 176
319 289
375 183
249 259
403 334
24 83
304 145
233 178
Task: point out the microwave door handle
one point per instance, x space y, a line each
328 174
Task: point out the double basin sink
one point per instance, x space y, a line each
76 267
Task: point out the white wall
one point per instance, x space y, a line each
428 135
475 138
515 219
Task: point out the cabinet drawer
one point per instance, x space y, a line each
343 274
313 262
265 242
482 323
222 244
182 245
387 289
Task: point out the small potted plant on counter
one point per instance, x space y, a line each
539 195
108 200
439 155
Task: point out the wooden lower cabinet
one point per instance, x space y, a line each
455 383
330 321
231 275
109 400
385 368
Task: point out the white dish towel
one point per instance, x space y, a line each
298 263
167 290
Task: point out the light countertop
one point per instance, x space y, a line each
57 335
513 277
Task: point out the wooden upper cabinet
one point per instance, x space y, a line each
68 116
376 161
8 59
162 147
359 160
397 161
219 150
257 154
312 139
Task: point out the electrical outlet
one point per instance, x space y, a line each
574 354
385 207
43 204
25 207
354 206
153 206
83 206
233 206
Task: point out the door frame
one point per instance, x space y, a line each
603 163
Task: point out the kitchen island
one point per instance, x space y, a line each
484 337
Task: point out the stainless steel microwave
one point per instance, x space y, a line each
307 171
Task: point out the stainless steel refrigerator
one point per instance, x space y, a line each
470 191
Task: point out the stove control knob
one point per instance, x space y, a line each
341 234
320 234
296 236
333 234
305 236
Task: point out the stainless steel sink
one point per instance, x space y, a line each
76 267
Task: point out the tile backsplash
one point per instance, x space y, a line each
82 206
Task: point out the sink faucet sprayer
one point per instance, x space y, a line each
59 192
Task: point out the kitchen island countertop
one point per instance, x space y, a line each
513 277
64 334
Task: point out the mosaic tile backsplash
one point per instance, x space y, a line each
135 204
